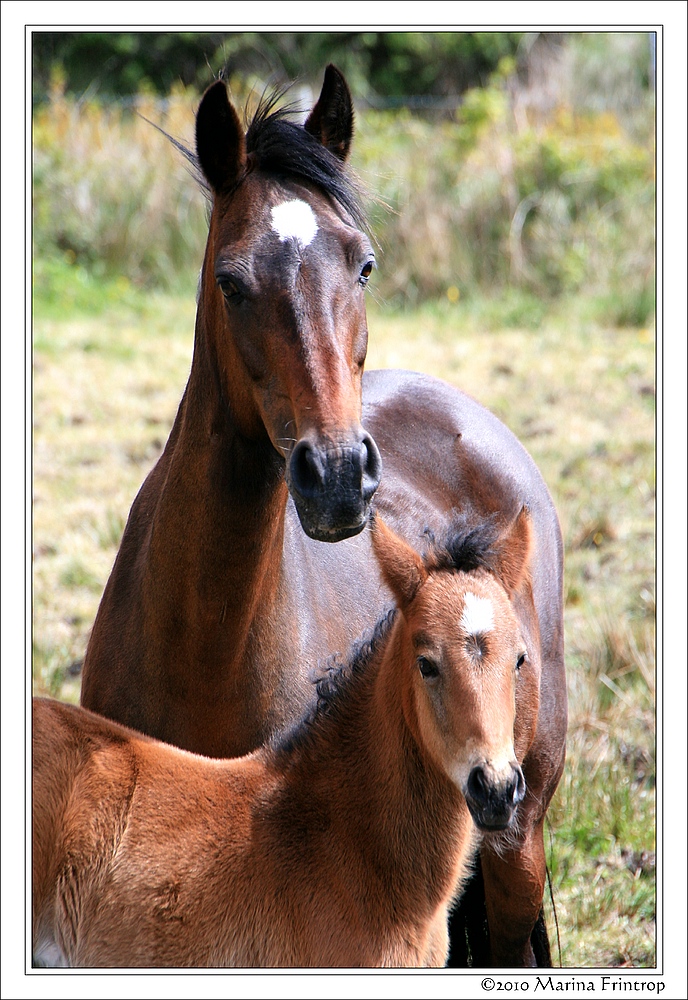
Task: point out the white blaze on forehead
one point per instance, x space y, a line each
294 220
478 615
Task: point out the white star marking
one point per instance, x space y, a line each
294 220
478 615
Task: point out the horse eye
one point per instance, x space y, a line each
366 271
521 660
427 668
229 289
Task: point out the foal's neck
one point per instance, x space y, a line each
392 803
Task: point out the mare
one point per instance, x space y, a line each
340 844
226 587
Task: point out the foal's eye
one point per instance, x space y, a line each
366 271
427 668
521 660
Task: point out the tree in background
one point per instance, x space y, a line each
380 65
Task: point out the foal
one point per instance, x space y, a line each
341 844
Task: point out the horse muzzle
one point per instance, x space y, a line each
493 797
332 486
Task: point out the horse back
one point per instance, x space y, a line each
446 455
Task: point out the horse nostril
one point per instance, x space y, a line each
307 469
314 470
517 787
372 466
484 792
477 786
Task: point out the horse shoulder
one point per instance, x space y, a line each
186 866
333 593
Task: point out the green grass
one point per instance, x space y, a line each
107 382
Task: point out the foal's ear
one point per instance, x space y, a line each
513 552
332 119
402 568
220 142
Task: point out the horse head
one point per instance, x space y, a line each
282 297
465 654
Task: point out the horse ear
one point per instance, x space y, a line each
332 119
220 142
513 552
402 568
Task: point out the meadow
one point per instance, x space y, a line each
565 356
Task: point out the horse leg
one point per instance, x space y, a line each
469 935
469 943
514 882
539 942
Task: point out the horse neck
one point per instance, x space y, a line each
224 495
384 793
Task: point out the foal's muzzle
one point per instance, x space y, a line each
494 797
332 485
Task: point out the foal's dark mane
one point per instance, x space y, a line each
469 545
276 144
339 675
337 684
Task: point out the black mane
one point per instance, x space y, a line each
338 675
468 545
277 144
336 682
281 146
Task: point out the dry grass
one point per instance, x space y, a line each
134 215
105 393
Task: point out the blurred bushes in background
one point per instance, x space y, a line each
543 187
379 65
112 198
537 188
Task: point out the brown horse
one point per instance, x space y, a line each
225 589
341 844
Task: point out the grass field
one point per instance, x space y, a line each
581 397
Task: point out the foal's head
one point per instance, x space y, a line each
463 650
282 297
